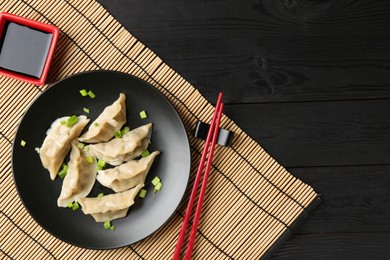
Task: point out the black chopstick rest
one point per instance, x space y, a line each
225 137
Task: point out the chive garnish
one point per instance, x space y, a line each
80 145
64 170
118 134
157 187
86 110
156 180
101 195
83 92
145 153
91 94
96 124
142 193
23 143
62 174
143 114
157 184
107 224
89 159
72 121
101 164
75 206
125 130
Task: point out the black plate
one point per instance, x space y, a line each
39 194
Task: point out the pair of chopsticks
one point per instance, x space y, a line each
208 153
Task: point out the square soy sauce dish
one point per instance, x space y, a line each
26 48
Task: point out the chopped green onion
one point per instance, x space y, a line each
145 153
90 159
112 227
72 120
157 184
118 134
96 124
86 110
125 130
101 195
80 145
101 164
75 206
23 143
83 92
62 173
143 114
86 148
107 225
63 122
142 193
91 94
156 180
157 187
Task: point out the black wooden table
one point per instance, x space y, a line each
307 79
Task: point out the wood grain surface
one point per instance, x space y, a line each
307 79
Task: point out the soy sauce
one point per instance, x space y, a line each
24 50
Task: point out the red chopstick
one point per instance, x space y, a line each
208 150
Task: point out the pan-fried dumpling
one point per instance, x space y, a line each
108 122
57 145
127 175
80 177
124 149
109 207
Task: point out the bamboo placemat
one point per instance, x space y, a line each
252 203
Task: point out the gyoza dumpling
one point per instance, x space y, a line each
80 177
127 175
109 207
108 122
57 143
124 149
